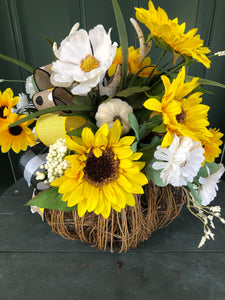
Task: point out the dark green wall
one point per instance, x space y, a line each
24 23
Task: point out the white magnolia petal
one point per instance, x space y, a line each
106 54
84 87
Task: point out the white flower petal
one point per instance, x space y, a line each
181 161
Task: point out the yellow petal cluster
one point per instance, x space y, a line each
181 110
16 138
173 34
212 145
7 101
104 172
135 63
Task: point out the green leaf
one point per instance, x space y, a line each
82 100
17 62
160 129
50 41
134 125
153 174
213 168
149 37
161 43
148 126
78 131
205 81
132 90
194 193
123 42
133 147
53 109
142 130
50 199
154 122
148 151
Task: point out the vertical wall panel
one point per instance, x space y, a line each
24 23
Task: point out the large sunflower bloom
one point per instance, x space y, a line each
172 33
212 145
104 172
181 111
135 63
7 101
18 137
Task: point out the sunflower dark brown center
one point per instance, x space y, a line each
101 170
181 117
2 112
16 130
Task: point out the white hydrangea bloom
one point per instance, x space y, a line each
180 162
83 58
112 110
29 86
209 187
55 162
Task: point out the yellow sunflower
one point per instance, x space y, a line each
212 144
18 137
104 172
181 111
135 63
173 34
7 101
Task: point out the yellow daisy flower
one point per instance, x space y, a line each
181 111
173 34
104 172
135 62
7 101
212 144
18 137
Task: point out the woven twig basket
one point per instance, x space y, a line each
121 231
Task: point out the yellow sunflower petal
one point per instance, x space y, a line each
82 207
153 104
115 133
88 137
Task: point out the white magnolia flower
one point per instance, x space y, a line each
180 162
209 187
83 59
112 110
29 87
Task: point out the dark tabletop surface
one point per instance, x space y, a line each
35 263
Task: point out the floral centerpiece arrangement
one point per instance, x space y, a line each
114 143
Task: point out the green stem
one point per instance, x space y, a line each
156 65
11 80
17 62
54 109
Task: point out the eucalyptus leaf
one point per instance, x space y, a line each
123 42
153 174
50 199
194 193
133 147
134 124
213 168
